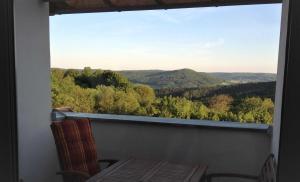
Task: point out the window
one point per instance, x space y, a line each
201 63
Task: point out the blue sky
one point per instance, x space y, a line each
217 39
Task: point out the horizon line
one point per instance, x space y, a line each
163 70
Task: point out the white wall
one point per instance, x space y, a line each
37 154
222 149
280 78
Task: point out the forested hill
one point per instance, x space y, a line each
187 78
99 91
262 89
183 78
245 77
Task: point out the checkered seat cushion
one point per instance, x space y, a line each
76 146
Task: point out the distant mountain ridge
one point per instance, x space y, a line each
188 78
245 77
183 78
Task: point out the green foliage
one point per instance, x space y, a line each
220 103
110 78
85 78
200 111
72 73
66 93
187 78
105 99
146 95
184 78
175 107
125 103
237 91
255 109
89 78
98 91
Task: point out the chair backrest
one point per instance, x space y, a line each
268 171
76 145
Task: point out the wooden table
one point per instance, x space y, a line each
135 170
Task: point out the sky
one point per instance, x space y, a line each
215 39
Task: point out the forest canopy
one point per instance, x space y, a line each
109 92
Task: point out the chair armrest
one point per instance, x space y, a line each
74 176
230 175
108 161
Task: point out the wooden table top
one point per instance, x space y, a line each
135 170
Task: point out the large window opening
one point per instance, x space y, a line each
201 63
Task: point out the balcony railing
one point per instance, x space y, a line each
223 146
164 121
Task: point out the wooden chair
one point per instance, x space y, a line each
76 150
267 173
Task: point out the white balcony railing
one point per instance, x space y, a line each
164 121
223 146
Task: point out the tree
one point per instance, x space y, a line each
175 107
220 103
255 109
105 99
109 78
268 105
83 99
125 103
249 104
215 117
72 73
85 78
66 93
146 94
200 111
109 92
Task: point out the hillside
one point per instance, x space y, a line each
245 77
184 78
263 89
139 76
108 92
187 78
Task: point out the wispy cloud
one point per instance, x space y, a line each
177 16
212 44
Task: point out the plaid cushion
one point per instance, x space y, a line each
76 145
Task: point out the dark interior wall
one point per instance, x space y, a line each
289 150
8 127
